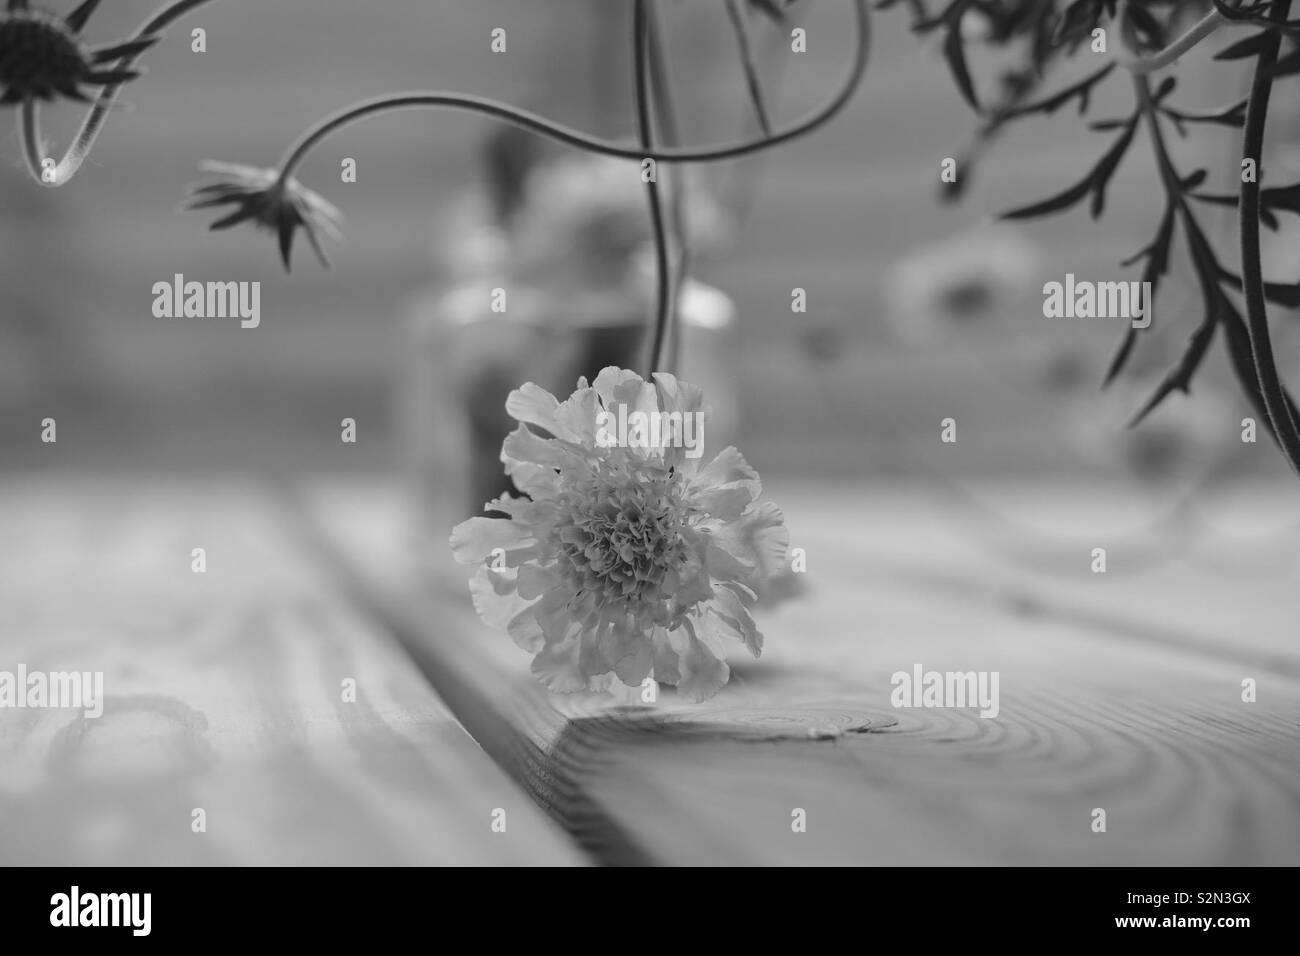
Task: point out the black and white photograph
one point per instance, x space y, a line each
651 433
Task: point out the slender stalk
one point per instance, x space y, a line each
580 140
1252 278
93 124
1164 162
669 130
29 134
645 133
1157 61
751 71
1260 347
740 191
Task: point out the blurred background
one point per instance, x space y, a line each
916 310
1122 689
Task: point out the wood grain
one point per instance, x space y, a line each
223 692
1094 713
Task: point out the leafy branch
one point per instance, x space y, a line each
1144 29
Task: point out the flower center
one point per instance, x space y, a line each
621 537
39 54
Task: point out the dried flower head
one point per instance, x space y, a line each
42 56
629 561
259 196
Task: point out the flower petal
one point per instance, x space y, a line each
497 607
702 674
556 666
526 632
578 414
633 668
552 614
610 378
665 658
525 445
737 622
725 502
535 405
476 539
676 395
758 538
729 468
534 581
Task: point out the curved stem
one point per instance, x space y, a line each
91 126
645 133
1157 61
29 134
578 139
1252 278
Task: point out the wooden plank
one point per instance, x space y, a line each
1092 713
223 692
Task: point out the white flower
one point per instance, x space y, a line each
965 281
634 562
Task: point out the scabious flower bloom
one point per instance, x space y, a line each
258 196
42 56
622 562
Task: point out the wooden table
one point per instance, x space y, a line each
1120 691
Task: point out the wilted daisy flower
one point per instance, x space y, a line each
42 56
628 561
259 196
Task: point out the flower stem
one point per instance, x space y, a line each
30 123
1157 61
1252 278
666 118
751 71
1164 163
645 133
580 140
29 133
